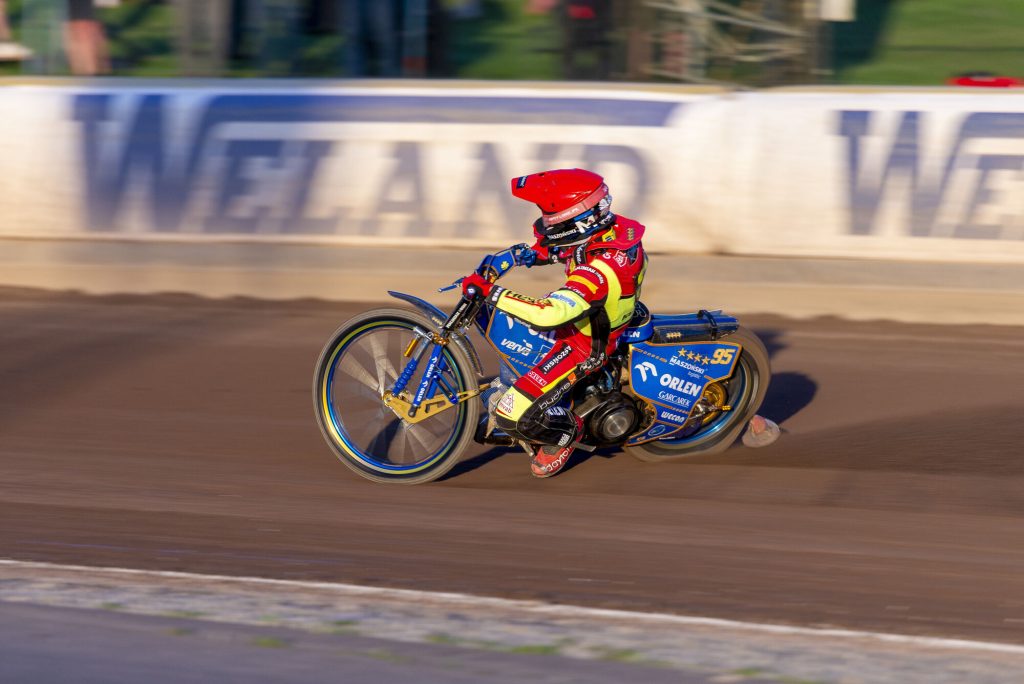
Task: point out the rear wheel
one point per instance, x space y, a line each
361 361
743 392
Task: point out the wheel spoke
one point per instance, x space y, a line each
414 431
356 371
385 369
398 448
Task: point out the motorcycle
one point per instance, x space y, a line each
400 394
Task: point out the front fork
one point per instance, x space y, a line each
434 376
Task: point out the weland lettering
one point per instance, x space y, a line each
274 164
971 189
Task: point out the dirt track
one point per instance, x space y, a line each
177 433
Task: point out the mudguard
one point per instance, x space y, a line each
439 317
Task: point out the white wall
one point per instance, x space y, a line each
892 175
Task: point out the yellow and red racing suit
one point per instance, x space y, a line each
587 314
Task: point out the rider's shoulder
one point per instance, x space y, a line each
624 235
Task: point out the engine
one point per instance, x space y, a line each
613 419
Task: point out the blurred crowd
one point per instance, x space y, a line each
354 38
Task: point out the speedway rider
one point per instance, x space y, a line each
604 265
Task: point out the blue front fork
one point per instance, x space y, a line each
433 379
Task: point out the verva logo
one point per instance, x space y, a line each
516 347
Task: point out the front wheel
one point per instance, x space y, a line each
361 361
743 392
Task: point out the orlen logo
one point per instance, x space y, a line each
678 385
644 368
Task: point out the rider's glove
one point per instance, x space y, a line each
481 286
525 256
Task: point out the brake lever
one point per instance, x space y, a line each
454 285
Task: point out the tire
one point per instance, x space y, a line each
368 439
753 371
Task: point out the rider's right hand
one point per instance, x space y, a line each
475 285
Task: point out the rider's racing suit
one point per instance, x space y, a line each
587 314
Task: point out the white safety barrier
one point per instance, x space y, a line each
929 175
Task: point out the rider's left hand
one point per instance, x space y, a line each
480 284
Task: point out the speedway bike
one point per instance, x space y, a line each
400 394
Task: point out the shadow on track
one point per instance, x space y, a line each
788 393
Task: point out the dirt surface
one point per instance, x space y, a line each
177 433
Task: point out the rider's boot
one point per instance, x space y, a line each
548 460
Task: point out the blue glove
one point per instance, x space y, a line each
523 255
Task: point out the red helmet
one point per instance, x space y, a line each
574 204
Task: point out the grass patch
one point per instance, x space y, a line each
188 614
506 43
387 656
923 43
536 649
112 605
180 631
750 672
269 642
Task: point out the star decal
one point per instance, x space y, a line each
705 360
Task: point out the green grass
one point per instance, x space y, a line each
180 631
536 649
189 614
923 43
506 43
269 642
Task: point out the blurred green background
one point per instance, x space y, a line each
750 42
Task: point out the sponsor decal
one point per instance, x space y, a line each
556 359
564 234
684 386
563 440
671 417
657 430
555 395
580 255
674 399
890 161
645 368
516 347
431 368
557 411
265 163
537 378
700 370
593 271
616 256
562 298
521 181
509 294
573 287
507 403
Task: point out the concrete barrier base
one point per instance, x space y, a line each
801 288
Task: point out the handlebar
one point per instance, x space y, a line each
492 267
